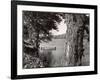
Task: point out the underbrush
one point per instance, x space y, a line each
30 61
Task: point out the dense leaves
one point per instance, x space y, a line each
37 25
37 28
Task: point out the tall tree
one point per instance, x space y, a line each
77 24
37 26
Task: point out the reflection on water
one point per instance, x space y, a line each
57 47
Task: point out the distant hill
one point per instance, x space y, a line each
61 36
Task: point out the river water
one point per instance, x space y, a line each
58 56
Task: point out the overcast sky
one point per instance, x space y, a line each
61 29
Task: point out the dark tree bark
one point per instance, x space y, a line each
37 44
74 38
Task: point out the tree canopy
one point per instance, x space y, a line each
37 26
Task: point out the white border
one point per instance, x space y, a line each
21 71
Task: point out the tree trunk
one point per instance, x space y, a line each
37 44
74 38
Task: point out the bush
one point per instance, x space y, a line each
31 62
45 57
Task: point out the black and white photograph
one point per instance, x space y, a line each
55 39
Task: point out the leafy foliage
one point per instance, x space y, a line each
37 26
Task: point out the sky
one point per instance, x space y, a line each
61 28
